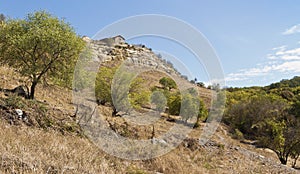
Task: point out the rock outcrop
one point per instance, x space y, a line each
115 48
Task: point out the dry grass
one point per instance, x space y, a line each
28 150
152 79
33 149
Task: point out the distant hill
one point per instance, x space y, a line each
294 82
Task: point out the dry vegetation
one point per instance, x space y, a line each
151 79
36 149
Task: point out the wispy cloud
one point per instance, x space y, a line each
246 74
281 60
294 29
284 54
281 48
291 66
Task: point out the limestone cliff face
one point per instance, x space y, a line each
139 58
115 48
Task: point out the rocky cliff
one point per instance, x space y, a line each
115 48
140 59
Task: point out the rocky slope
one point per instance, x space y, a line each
56 144
141 60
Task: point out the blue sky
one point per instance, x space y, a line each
257 41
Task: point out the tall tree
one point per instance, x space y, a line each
2 18
40 46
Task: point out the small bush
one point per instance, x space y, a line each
134 170
14 101
237 134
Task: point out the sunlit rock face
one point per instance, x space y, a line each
116 48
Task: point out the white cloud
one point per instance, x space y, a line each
283 54
233 78
281 48
291 66
290 57
294 29
282 60
271 56
293 51
245 74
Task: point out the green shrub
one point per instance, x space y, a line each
103 85
159 100
174 103
168 83
138 94
237 134
14 101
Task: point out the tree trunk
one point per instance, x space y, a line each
32 90
283 160
114 113
295 161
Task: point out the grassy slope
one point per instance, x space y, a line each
31 149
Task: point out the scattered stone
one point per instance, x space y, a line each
158 141
121 113
19 113
191 143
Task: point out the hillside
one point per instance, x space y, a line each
50 140
141 60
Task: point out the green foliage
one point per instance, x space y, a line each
40 47
103 84
134 170
174 103
237 134
159 100
246 115
168 83
82 75
193 107
138 95
295 108
14 101
203 112
2 19
295 154
275 130
189 106
120 90
215 86
267 115
200 84
294 82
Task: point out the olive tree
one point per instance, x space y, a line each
168 83
39 47
138 95
103 85
159 100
